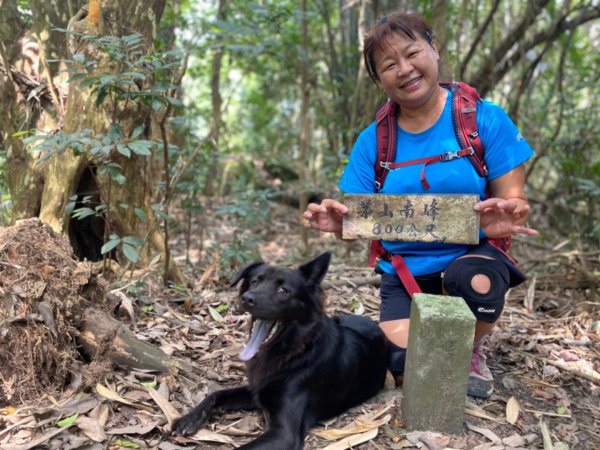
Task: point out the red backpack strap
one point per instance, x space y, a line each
387 137
464 119
408 281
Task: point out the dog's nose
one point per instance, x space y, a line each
248 298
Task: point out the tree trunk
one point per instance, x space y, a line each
46 190
21 109
215 84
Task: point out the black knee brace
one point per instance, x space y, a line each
457 281
397 359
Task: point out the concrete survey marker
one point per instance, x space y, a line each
417 218
438 359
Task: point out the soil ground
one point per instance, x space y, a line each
545 353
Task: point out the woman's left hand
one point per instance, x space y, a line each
503 217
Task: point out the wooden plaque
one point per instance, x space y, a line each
414 218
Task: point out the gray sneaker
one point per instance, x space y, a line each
481 382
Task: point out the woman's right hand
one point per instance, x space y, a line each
327 216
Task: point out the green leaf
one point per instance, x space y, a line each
19 134
142 148
68 421
101 96
90 81
130 253
124 150
141 214
115 133
561 410
133 240
222 308
217 317
119 178
157 105
82 213
126 443
136 133
149 384
69 208
111 244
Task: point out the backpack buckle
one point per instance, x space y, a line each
385 164
449 156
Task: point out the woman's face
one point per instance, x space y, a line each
407 70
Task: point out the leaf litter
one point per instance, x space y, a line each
544 355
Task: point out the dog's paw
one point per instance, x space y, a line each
188 424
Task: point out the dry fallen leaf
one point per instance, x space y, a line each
485 432
332 434
433 440
111 395
512 410
211 436
169 410
352 441
91 428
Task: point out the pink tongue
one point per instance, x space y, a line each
260 330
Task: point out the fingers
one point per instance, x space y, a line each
325 207
518 229
326 216
510 205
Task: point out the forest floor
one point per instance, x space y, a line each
544 355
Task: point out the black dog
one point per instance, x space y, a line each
302 365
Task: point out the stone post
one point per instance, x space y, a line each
438 360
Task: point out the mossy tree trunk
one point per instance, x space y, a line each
46 190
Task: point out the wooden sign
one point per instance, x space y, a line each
415 218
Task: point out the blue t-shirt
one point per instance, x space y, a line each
504 149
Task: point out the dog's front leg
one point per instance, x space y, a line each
224 400
289 422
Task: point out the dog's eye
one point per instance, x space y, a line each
282 290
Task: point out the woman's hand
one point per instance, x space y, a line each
327 216
504 217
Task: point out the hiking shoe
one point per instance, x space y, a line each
481 382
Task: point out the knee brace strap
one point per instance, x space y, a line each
457 281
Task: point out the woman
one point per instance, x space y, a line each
402 60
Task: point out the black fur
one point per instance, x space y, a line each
315 368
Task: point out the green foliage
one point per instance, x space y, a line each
131 76
244 210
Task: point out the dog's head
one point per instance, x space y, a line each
276 296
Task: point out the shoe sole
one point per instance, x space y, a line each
479 388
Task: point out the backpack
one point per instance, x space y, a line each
464 119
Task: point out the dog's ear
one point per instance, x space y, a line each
315 270
245 272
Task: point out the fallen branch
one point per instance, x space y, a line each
103 336
581 372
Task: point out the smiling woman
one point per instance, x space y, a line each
405 65
425 119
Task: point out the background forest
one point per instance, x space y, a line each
171 142
247 102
